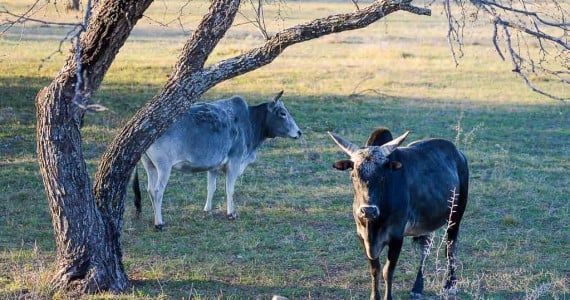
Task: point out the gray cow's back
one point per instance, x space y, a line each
205 137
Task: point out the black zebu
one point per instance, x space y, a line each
405 191
215 137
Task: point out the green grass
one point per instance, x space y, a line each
295 235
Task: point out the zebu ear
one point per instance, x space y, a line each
379 137
343 165
388 148
278 96
394 165
345 145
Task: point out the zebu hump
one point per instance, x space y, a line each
210 117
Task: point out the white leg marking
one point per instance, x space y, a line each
212 178
152 177
231 177
159 188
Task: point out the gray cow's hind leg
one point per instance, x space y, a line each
212 180
152 181
158 191
232 173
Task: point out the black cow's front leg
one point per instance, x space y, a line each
375 273
394 248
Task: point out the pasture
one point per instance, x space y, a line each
295 234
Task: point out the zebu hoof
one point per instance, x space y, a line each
450 291
414 295
208 214
160 227
233 216
450 287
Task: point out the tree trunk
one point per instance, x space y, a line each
88 256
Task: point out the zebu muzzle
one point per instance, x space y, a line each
369 212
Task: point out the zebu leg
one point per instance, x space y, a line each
232 173
152 177
158 191
212 179
394 248
424 242
375 274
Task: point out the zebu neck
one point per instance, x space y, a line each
257 118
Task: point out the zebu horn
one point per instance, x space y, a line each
278 96
345 145
389 147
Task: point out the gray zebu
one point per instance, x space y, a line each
405 191
220 136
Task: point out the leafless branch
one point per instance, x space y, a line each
277 43
20 19
10 23
526 13
178 19
534 35
355 2
258 18
454 32
12 19
82 94
68 37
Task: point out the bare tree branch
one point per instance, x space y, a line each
533 39
355 2
526 13
178 19
20 19
265 54
82 93
14 19
454 32
258 19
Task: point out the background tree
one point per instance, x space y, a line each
88 218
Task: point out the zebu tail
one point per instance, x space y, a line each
137 192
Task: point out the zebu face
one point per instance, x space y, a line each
370 167
368 177
280 122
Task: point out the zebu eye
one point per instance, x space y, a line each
282 114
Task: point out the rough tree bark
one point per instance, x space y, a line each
88 219
88 253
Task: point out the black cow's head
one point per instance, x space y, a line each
370 166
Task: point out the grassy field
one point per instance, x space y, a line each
295 235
